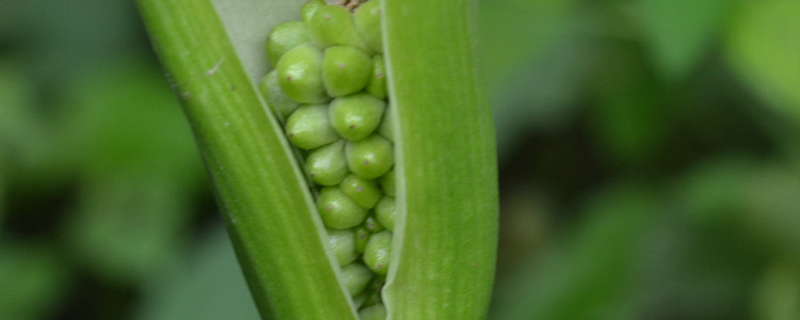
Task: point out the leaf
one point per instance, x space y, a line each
445 243
762 47
679 32
265 200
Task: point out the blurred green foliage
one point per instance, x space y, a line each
650 165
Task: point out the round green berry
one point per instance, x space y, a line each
372 224
276 99
377 78
364 192
386 212
327 166
285 37
388 184
338 211
309 127
332 26
309 8
356 116
361 237
375 312
343 245
300 74
371 157
368 23
345 70
355 277
386 129
378 252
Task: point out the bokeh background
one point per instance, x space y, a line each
649 158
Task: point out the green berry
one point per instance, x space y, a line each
300 74
343 245
377 79
370 158
338 211
375 312
355 277
372 224
332 26
378 252
309 8
368 23
357 116
277 100
285 37
327 166
364 192
386 129
386 212
309 127
345 70
361 237
388 184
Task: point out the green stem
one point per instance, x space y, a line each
259 185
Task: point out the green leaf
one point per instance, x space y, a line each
269 211
679 32
445 240
763 46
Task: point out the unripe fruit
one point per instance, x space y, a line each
388 183
375 312
372 224
300 74
309 127
378 252
386 212
345 70
361 238
386 128
309 8
367 20
357 116
338 211
327 166
363 192
343 245
370 158
332 26
377 79
355 277
277 100
285 37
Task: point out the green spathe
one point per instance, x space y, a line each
285 37
277 100
364 192
327 165
368 23
357 116
338 211
371 157
300 74
343 245
309 128
345 70
386 212
377 79
355 277
378 252
332 26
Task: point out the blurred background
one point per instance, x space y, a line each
649 159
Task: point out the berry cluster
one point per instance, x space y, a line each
329 90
